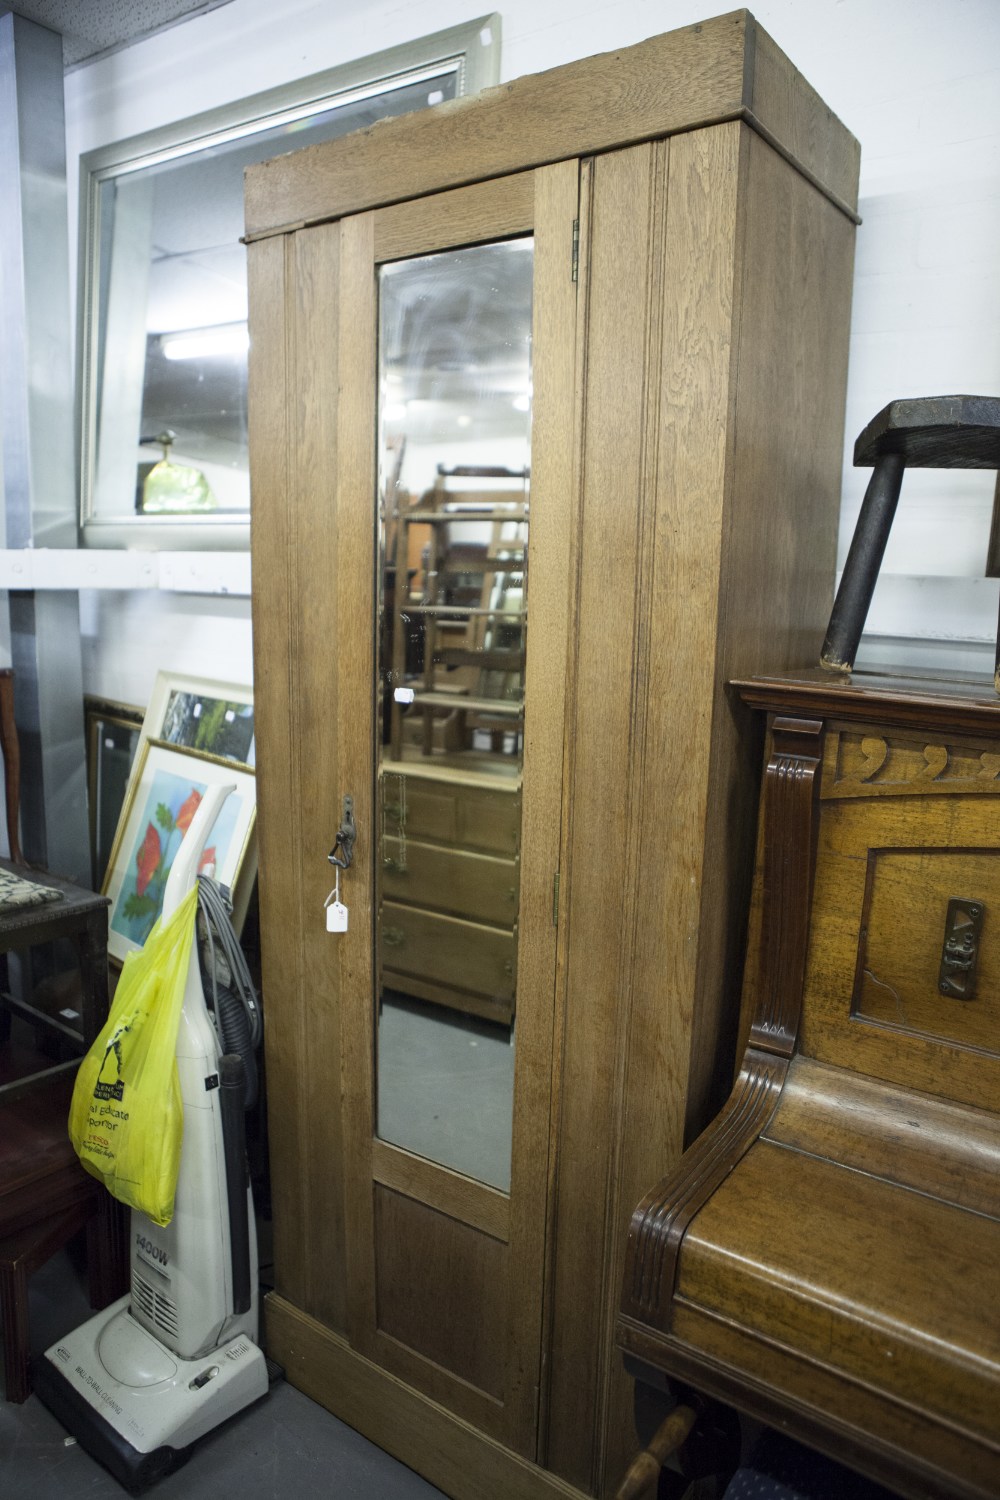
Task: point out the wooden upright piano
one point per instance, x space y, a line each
826 1256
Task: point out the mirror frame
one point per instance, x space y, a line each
471 51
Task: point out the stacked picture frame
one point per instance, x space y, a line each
195 733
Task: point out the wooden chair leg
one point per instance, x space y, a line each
20 1255
14 1316
857 584
5 1016
11 752
641 1476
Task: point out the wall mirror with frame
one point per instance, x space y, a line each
163 300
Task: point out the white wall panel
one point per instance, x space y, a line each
129 637
917 82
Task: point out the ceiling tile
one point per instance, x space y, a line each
89 28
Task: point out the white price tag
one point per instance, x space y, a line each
336 917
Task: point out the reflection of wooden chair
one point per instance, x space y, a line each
45 1195
467 547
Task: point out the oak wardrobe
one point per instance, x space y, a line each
546 420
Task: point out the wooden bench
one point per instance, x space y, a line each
826 1257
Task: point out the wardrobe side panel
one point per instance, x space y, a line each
293 391
662 258
595 886
691 407
782 511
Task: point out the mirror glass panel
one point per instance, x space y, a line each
454 464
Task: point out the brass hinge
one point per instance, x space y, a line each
555 899
576 250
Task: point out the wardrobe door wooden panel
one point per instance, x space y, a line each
459 1268
318 624
293 286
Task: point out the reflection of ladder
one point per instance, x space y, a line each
470 604
497 636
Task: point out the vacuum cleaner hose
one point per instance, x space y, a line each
231 1081
227 985
235 1034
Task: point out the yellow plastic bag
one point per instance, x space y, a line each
126 1119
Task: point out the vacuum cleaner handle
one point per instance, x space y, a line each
184 870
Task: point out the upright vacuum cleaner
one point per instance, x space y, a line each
143 1380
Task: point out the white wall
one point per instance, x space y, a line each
916 81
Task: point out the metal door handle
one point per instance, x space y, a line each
343 845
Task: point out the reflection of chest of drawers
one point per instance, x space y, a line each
449 889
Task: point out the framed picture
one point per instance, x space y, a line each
214 718
112 735
169 782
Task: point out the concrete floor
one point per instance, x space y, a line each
284 1446
446 1093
